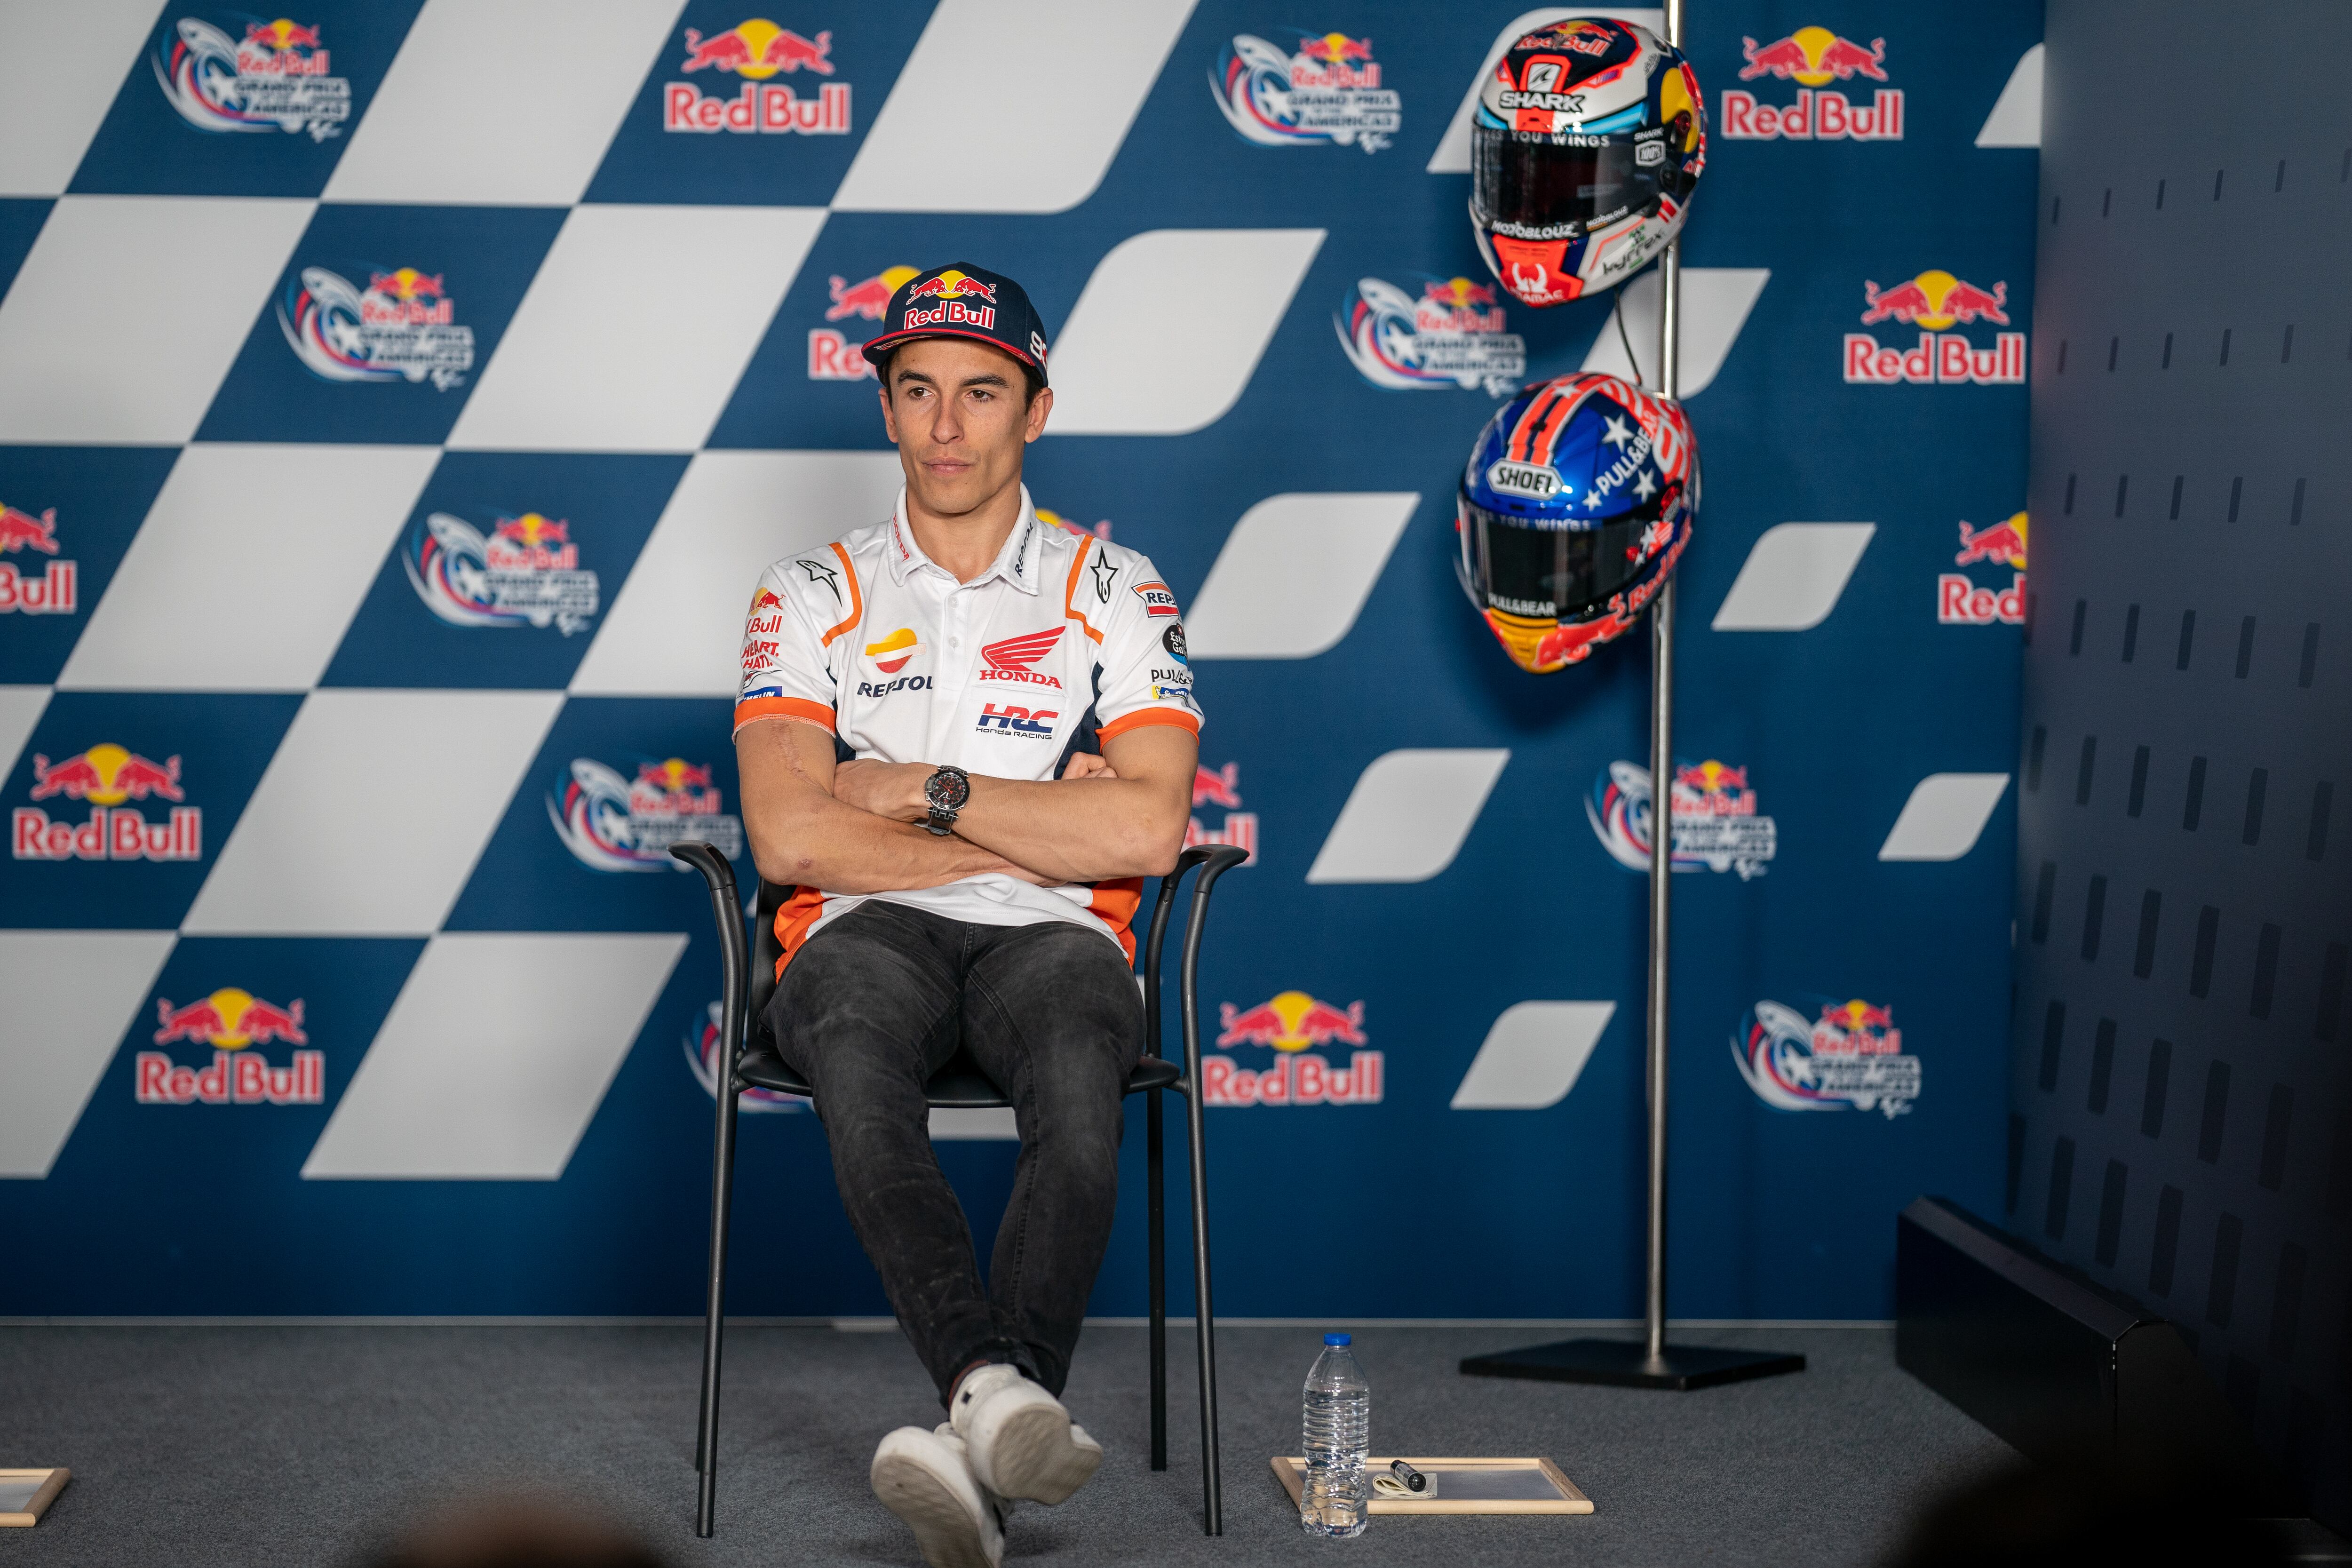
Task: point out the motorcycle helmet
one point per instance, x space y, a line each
1576 502
1588 139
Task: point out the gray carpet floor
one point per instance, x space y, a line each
255 1446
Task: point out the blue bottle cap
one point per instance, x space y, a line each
1337 1339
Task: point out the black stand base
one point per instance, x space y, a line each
1623 1364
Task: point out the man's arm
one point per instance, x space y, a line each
801 835
1126 821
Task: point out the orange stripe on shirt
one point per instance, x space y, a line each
856 600
1114 903
1146 716
794 918
1070 593
752 707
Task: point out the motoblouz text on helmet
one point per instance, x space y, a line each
1575 504
1588 140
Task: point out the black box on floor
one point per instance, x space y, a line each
2065 1369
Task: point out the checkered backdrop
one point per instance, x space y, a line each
399 399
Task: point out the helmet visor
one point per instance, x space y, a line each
1531 188
1549 572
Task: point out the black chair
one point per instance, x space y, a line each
751 1062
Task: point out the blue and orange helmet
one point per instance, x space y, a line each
1576 502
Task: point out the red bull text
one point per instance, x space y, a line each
55 591
772 108
106 776
1960 602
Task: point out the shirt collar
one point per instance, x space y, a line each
1018 563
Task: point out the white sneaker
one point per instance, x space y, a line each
926 1479
1022 1442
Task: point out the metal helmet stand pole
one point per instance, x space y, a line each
1653 1364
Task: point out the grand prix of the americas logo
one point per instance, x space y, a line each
613 824
1934 300
1326 93
1452 336
1221 786
230 1020
525 571
1960 602
701 1042
1813 56
401 327
55 591
274 78
757 51
1717 827
833 354
1851 1057
1293 1024
106 776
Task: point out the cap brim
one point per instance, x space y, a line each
877 347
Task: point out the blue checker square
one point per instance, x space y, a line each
739 112
119 803
381 323
232 103
585 844
67 518
504 570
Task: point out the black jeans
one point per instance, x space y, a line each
876 1003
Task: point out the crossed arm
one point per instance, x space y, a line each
853 827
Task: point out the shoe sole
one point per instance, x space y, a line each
1033 1457
944 1528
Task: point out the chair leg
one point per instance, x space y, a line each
714 1321
1154 1145
1205 1318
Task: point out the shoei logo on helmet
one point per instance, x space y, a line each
1530 480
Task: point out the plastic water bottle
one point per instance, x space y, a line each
1335 1435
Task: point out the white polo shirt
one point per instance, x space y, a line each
1063 642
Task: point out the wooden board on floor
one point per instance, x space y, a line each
26 1495
1466 1486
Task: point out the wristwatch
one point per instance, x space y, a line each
945 792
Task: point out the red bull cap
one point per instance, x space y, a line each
961 300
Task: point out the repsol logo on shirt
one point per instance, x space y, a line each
904 683
1012 721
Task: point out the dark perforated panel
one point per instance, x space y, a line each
2181 1126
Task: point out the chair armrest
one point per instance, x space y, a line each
734 945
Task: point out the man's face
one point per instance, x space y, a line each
956 409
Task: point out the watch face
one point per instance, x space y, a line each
947 791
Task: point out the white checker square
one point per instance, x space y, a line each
495 1057
300 530
585 367
372 814
110 334
456 121
71 994
676 628
70 57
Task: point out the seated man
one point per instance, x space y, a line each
965 738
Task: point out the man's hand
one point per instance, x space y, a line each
1087 766
894 790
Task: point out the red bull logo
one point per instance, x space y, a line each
282 48
1457 305
407 283
952 285
230 1020
1221 786
870 297
106 776
1334 63
756 50
54 591
406 298
950 288
1934 300
1960 602
1813 58
1292 1023
1856 1028
832 356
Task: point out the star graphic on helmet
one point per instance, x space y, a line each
1617 434
1593 498
1647 486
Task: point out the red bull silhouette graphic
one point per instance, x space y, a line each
20 528
230 1021
1959 602
1221 786
1292 1023
832 356
952 285
1934 300
867 298
756 50
106 776
1813 58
